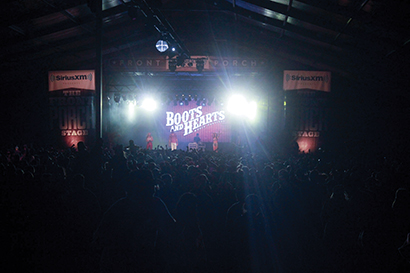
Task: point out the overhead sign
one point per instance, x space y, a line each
81 79
314 80
210 63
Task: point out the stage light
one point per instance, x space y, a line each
200 65
117 98
172 65
203 102
131 97
149 104
131 110
238 105
162 45
183 100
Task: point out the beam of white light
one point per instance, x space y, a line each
252 108
149 104
131 110
238 105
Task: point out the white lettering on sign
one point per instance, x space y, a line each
192 120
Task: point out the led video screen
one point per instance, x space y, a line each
134 123
188 120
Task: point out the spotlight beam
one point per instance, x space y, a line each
149 104
239 106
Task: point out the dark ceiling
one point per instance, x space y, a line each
346 37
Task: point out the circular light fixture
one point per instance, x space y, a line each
162 46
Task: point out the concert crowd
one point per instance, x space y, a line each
252 208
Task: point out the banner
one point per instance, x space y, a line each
307 116
208 63
81 79
71 104
314 80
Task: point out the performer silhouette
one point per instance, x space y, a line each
197 139
173 140
215 141
149 140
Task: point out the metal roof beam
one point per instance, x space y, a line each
69 16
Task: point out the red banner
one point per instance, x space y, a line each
71 103
307 116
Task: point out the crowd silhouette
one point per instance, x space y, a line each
95 209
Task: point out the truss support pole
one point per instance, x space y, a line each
98 71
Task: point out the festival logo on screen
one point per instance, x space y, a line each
192 120
71 101
188 120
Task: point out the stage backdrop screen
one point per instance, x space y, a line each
188 120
